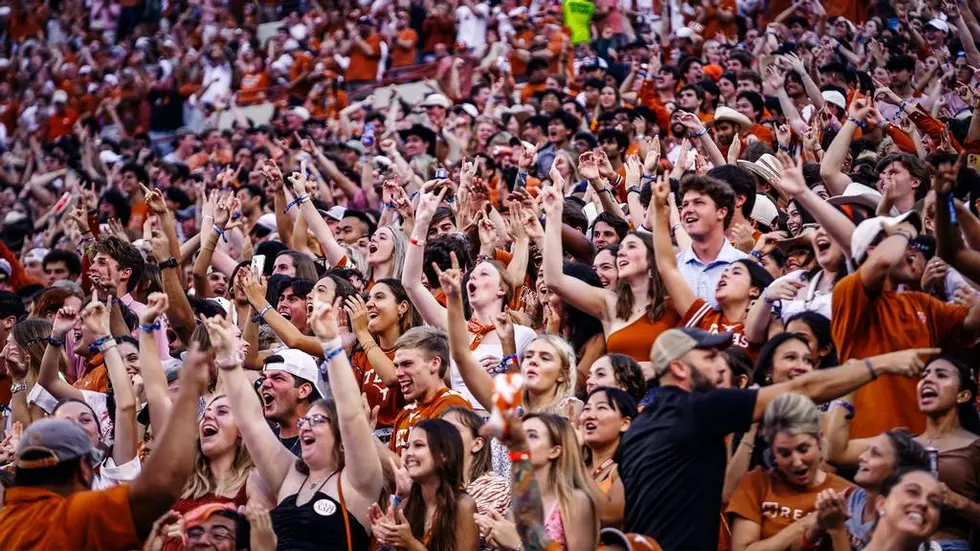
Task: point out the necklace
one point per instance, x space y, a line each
319 485
602 466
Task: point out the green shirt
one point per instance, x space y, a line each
578 17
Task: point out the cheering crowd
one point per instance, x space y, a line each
628 275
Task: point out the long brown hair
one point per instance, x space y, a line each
31 336
446 446
328 405
658 296
483 459
51 300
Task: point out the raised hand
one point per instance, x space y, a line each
831 509
775 77
784 288
324 321
652 159
224 335
886 95
602 163
553 202
450 280
661 192
587 167
633 170
428 203
64 321
791 179
860 108
255 288
154 200
691 122
262 536
95 316
784 134
357 313
555 174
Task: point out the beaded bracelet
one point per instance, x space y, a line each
258 317
56 342
151 327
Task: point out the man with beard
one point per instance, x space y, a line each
726 126
288 387
421 361
673 456
364 51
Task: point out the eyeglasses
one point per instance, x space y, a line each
217 534
313 421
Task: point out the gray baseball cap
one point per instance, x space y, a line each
672 344
49 442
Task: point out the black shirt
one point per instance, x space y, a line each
673 464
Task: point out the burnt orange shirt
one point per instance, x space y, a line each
390 398
404 57
252 89
865 324
35 518
364 67
636 339
761 132
60 124
95 379
414 413
763 498
518 67
702 315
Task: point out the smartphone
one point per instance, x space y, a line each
893 23
258 265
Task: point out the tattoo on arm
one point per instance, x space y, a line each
528 510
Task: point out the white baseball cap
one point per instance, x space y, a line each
59 96
868 231
764 211
834 97
299 364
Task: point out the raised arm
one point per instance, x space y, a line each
255 292
331 248
273 460
95 317
48 374
170 463
432 312
950 242
589 299
680 292
363 465
826 384
833 159
477 380
151 369
835 222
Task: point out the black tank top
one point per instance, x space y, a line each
317 525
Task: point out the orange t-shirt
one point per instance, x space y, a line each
518 67
389 398
414 413
404 57
763 498
363 67
252 89
865 325
704 316
95 379
61 125
761 132
83 520
636 339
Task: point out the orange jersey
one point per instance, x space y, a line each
414 413
704 316
389 399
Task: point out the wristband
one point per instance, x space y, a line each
296 201
605 190
846 405
258 317
648 178
507 359
756 255
416 242
56 342
701 132
18 387
220 232
333 343
518 456
329 355
168 263
871 368
151 327
634 189
860 124
102 344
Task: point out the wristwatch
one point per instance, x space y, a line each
17 387
168 263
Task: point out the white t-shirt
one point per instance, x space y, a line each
471 27
95 400
523 336
110 474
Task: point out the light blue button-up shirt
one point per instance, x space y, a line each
703 277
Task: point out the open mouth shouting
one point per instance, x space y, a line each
284 312
209 429
268 399
928 394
